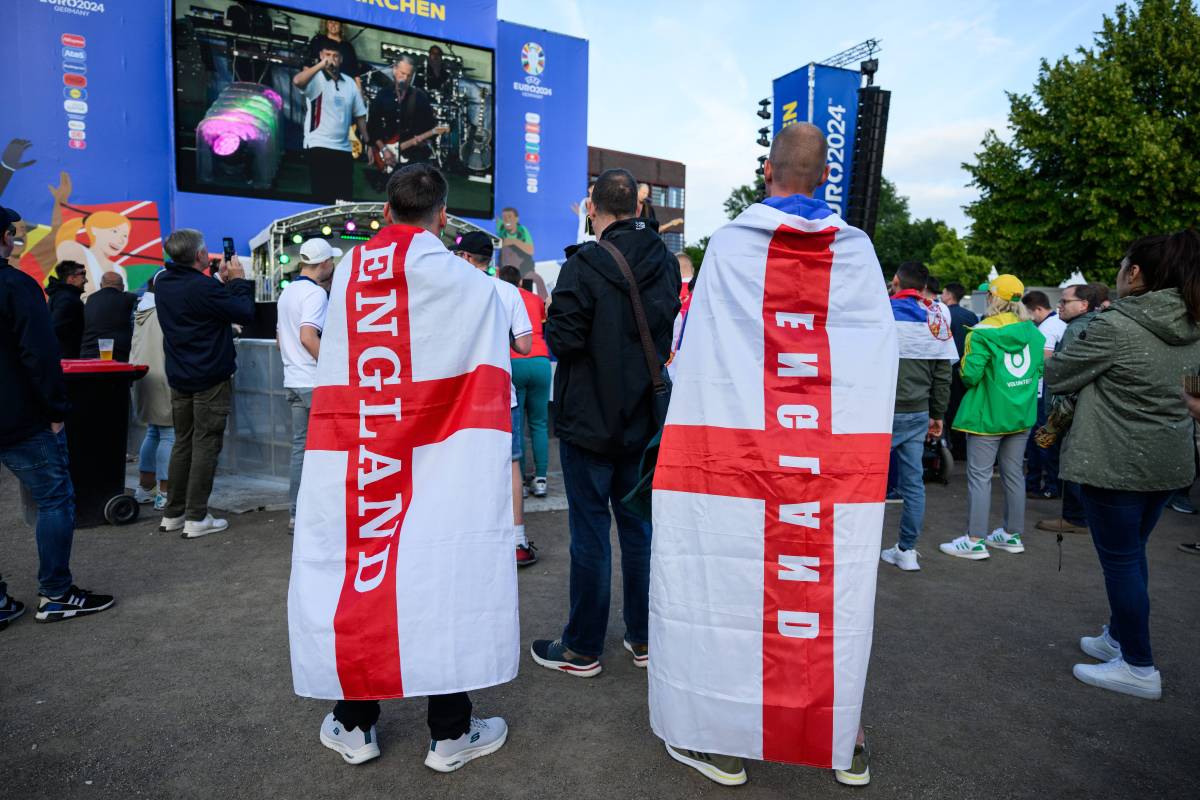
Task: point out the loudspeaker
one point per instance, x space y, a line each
869 138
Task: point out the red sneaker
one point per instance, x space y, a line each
526 555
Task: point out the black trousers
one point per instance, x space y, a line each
330 174
449 714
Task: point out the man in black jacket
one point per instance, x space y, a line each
196 313
605 415
64 292
33 443
108 314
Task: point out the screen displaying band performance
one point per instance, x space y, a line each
281 105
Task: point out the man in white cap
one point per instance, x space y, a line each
301 310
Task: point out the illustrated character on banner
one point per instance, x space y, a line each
107 233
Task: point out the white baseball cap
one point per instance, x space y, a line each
317 251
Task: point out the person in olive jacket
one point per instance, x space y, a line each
1130 443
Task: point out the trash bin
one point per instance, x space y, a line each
97 427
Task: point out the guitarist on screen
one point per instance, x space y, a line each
398 116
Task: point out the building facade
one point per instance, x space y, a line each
667 181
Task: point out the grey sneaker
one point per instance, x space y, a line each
859 773
725 770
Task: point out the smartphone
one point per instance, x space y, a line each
227 246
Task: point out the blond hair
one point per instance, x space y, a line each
100 219
997 305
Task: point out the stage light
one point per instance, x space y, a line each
763 111
763 141
283 284
326 230
284 258
374 224
351 225
226 144
297 238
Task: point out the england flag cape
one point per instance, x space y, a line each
769 489
403 580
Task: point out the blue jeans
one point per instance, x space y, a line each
908 446
1042 462
155 455
40 463
1072 499
1121 523
593 483
518 435
301 402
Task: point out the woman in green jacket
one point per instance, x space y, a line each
1130 443
1001 366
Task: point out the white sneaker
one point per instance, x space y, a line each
170 524
210 524
539 487
1003 540
354 745
1102 647
1116 676
142 496
160 501
963 547
904 559
485 736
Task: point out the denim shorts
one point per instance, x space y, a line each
517 434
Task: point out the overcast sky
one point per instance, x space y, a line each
681 80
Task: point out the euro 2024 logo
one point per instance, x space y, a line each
533 58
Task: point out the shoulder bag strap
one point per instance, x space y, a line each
639 316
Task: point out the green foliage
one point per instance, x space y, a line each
951 260
743 197
696 251
1105 150
898 237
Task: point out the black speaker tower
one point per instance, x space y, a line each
869 137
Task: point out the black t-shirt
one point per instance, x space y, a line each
391 118
350 63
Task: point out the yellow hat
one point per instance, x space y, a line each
1007 287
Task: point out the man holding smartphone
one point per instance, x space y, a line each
197 313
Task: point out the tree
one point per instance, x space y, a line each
743 197
898 237
1105 150
696 251
950 260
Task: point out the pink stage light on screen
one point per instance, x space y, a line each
274 97
226 144
351 226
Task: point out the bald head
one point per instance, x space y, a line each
797 161
112 280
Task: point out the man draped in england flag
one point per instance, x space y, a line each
403 582
769 488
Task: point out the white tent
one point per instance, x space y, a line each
992 274
1075 279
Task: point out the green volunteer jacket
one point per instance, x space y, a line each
1131 429
1001 364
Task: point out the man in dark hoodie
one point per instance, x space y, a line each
196 312
64 293
109 315
33 443
605 415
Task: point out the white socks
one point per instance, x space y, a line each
520 532
1141 672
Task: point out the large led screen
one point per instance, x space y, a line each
282 105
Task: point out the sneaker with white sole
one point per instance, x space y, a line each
160 501
963 547
725 770
557 656
1117 676
75 602
1003 540
904 559
10 609
1102 647
539 487
143 496
859 773
484 737
355 745
640 653
171 524
210 524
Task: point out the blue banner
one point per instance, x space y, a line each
541 132
828 98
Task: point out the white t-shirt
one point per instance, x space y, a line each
330 111
518 318
1052 328
302 303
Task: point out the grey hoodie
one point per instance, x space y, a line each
1131 430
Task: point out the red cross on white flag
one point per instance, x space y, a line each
403 578
769 490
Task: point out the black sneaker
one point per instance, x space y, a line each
75 603
859 773
10 609
555 655
1180 504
